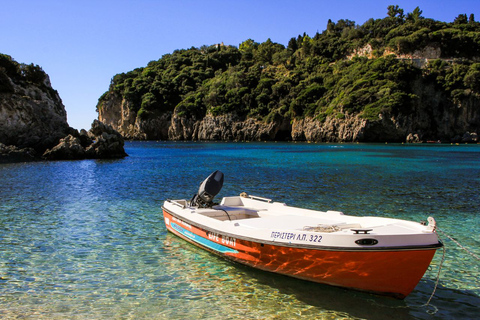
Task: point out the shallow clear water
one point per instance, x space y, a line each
86 239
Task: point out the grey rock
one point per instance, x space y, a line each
100 142
33 116
413 138
108 143
470 137
10 154
69 148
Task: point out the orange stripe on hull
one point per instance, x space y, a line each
393 272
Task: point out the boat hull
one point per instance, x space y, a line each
393 272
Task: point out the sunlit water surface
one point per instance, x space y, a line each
86 239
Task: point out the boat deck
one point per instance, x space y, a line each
266 219
278 216
262 219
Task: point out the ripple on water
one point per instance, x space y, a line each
86 240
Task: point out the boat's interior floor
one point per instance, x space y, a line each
264 219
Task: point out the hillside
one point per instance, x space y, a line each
403 77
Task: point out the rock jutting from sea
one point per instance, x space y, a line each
34 120
100 142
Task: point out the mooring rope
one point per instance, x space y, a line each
440 268
428 304
458 244
435 309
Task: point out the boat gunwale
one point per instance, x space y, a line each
435 246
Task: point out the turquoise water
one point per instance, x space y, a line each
86 239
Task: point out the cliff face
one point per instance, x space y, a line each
118 113
438 117
226 127
34 121
32 113
350 128
168 126
432 117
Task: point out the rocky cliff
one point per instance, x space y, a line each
119 114
228 127
32 113
34 120
434 116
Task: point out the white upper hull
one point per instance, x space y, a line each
255 219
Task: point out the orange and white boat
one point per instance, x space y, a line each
379 255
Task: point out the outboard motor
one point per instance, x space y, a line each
209 188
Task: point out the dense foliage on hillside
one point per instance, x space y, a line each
21 73
312 75
17 71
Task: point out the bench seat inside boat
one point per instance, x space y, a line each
230 213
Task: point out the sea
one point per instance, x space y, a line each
86 239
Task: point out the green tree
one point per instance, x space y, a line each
393 11
471 19
472 77
292 45
461 19
248 46
33 73
266 50
415 16
11 67
330 26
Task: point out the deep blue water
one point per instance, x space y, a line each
86 239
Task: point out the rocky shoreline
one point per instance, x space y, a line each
100 142
413 128
14 154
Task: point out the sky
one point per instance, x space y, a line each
81 45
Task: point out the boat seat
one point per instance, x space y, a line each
230 213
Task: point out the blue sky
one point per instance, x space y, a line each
83 44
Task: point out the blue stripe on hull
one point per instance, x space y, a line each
204 242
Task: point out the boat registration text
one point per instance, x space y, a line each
296 236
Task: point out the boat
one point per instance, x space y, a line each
379 255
